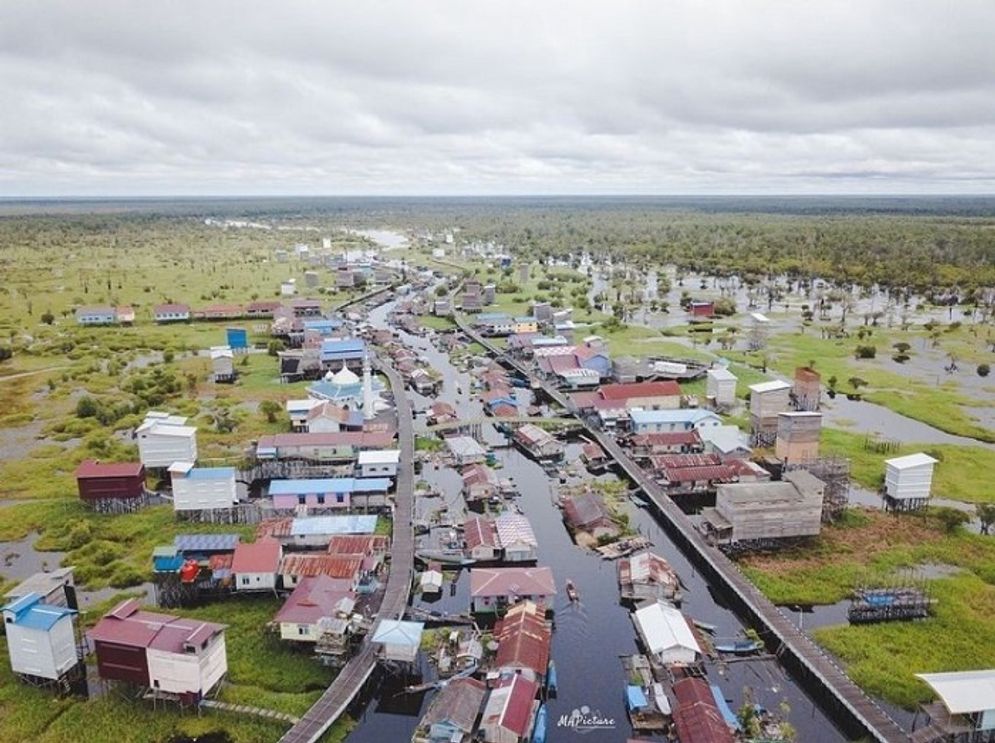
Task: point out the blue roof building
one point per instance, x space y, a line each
350 351
663 421
41 639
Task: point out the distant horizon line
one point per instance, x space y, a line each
148 197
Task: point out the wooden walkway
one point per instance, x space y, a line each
245 709
337 697
848 697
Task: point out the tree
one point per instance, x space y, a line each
866 352
983 370
832 382
271 409
986 515
856 383
87 407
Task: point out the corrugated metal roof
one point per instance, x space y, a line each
206 542
512 582
398 632
321 525
90 468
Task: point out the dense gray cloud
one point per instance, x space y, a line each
496 97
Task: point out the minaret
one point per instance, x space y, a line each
369 405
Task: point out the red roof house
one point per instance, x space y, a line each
255 565
697 716
510 709
111 480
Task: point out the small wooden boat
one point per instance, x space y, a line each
539 729
572 592
740 647
551 678
705 626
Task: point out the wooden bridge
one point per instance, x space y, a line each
511 420
807 660
337 697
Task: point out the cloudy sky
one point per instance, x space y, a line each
479 97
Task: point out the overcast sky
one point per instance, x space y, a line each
469 97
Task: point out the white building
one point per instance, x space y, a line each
465 450
298 411
222 364
382 463
666 634
516 538
399 640
967 699
255 565
198 488
908 480
288 288
164 439
720 387
40 637
187 657
51 586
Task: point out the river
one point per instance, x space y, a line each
590 636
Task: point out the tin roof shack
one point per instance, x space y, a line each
524 641
720 388
480 538
296 566
56 587
493 589
586 512
648 576
666 634
452 714
255 565
798 435
697 716
538 443
807 389
223 365
908 481
465 450
691 473
164 439
510 711
644 445
166 653
202 488
315 532
728 442
381 463
516 539
315 599
441 412
399 640
664 395
761 512
767 400
41 639
479 484
966 708
107 481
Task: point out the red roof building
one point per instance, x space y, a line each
358 544
294 567
667 388
492 589
510 709
315 598
667 442
111 480
523 641
255 565
480 538
697 717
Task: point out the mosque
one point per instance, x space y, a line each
344 387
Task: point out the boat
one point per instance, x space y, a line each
551 678
705 626
739 647
572 593
539 729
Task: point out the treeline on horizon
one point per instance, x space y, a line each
927 245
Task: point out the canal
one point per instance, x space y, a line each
589 636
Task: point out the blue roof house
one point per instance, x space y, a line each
41 639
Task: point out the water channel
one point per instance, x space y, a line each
589 636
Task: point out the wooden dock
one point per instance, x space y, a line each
337 697
853 707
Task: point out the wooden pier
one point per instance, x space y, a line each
354 675
852 707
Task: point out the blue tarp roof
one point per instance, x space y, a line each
720 702
322 324
206 542
31 613
635 697
330 485
210 473
321 525
167 564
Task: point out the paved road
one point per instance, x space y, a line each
337 697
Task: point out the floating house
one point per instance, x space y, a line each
647 576
465 450
666 634
524 641
41 638
763 511
697 716
480 538
510 711
493 589
453 712
161 652
315 599
202 488
663 421
399 640
255 565
333 492
515 538
164 439
110 481
538 443
383 463
586 512
720 388
908 481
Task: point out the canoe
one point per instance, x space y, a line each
740 647
572 593
551 677
539 730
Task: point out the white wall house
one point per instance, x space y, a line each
196 488
909 478
666 634
187 657
164 439
255 565
40 637
720 387
379 463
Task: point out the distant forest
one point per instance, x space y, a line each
926 244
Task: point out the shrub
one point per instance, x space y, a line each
983 370
866 352
87 407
